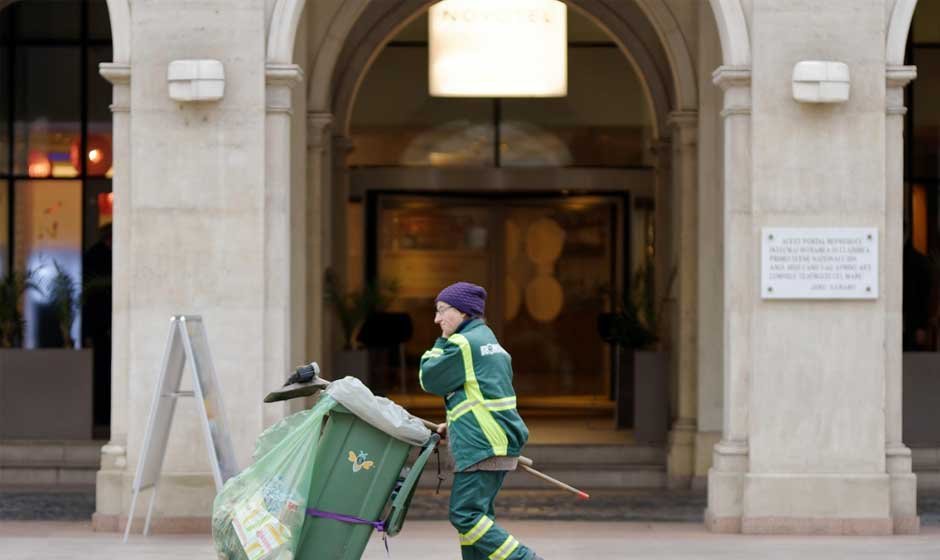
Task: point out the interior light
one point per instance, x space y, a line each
38 164
498 48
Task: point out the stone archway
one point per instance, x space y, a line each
378 22
647 34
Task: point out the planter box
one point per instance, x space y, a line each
45 393
650 396
921 399
641 394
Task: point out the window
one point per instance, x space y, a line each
55 148
921 324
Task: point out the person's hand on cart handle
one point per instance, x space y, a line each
441 430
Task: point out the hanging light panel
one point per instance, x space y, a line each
498 48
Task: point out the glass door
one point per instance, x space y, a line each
548 264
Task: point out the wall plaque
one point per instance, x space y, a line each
819 263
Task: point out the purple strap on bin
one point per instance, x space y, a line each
377 525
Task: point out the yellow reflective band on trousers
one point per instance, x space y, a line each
432 353
493 432
473 535
503 552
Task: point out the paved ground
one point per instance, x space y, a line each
431 540
45 525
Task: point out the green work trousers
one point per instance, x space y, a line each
471 513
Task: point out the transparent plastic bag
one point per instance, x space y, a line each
277 432
258 514
380 412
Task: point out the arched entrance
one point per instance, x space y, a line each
651 41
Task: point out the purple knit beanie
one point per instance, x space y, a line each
464 297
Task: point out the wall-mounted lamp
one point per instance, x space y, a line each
196 80
820 81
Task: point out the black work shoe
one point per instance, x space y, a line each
302 383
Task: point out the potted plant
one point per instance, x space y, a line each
640 367
64 294
12 289
352 309
35 381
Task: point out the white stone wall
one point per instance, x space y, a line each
818 383
196 245
710 239
816 419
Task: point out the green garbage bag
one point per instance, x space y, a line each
259 514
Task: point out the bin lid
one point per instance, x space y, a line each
380 412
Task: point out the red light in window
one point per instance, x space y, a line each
38 164
99 154
105 204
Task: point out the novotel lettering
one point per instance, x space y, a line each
506 17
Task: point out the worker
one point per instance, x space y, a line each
468 367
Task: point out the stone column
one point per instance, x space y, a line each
662 241
730 460
335 237
279 79
319 231
685 200
342 147
897 455
710 241
109 484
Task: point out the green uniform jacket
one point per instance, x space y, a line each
474 375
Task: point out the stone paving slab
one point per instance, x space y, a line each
431 540
668 506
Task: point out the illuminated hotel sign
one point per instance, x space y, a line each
498 48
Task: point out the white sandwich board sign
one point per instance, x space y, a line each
187 343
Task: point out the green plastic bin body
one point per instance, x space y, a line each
355 472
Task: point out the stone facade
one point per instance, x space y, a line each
232 209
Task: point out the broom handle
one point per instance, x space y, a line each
556 482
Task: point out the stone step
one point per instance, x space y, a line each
604 505
49 463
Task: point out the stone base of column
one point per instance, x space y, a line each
681 453
704 446
717 524
726 487
183 502
904 503
826 504
109 480
903 490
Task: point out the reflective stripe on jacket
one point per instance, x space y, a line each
474 375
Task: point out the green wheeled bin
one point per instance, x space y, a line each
359 485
